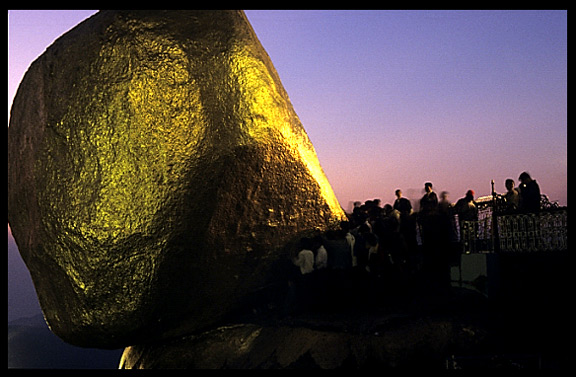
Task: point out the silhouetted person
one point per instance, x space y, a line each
392 248
429 202
449 234
301 286
402 204
350 240
339 265
427 214
360 249
432 240
359 214
320 272
374 258
360 278
529 193
321 257
305 258
445 206
466 208
512 196
446 218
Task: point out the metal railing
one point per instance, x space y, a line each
546 231
516 233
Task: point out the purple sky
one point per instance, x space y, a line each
392 99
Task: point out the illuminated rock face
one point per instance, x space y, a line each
157 171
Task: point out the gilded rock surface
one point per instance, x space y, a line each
157 173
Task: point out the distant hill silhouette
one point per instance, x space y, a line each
31 344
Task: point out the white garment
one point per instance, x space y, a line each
321 258
351 241
305 261
372 250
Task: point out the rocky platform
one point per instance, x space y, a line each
406 333
459 329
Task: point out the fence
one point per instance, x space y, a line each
516 233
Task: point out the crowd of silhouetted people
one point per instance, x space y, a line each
392 249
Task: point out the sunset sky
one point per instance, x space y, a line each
392 99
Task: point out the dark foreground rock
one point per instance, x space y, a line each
157 175
418 343
458 329
254 347
419 333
